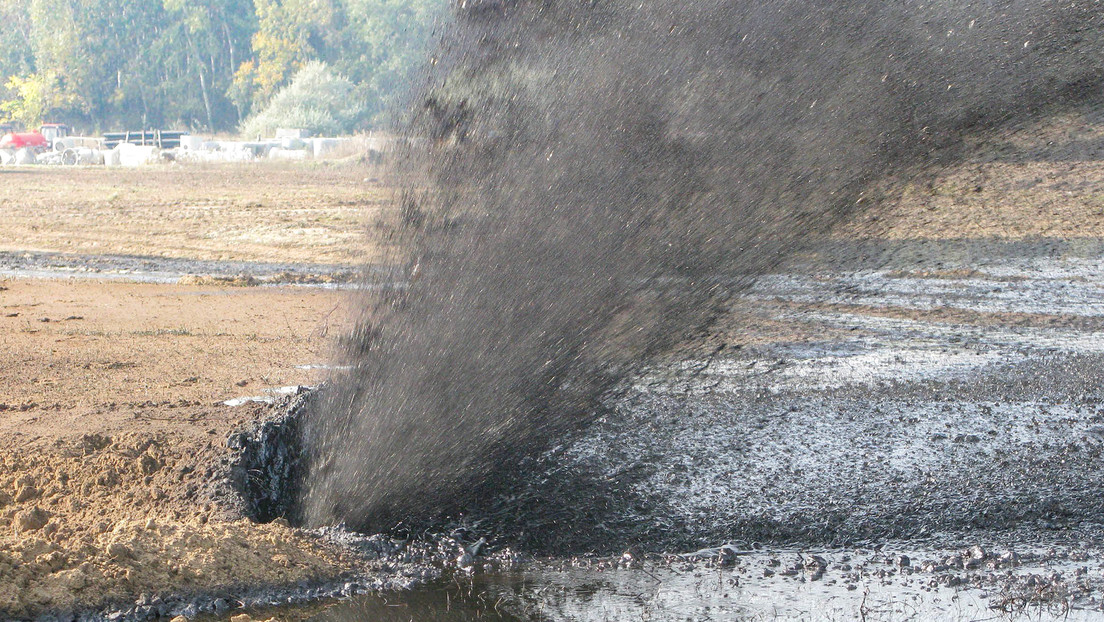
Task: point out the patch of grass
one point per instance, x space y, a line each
161 332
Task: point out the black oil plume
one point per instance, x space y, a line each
587 182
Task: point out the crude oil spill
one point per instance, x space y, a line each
587 184
863 434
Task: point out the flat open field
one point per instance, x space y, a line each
93 357
268 213
113 392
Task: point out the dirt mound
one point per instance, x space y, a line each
102 520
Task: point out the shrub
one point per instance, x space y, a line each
317 100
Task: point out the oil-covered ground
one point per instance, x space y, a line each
926 443
912 434
931 396
905 421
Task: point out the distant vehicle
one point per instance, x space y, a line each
25 147
24 140
53 132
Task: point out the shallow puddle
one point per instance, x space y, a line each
760 586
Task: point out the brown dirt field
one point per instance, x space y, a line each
1045 179
996 200
111 395
317 213
88 356
111 414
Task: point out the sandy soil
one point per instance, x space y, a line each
111 416
88 356
111 395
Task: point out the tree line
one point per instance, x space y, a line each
204 64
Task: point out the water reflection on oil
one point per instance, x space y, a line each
760 586
445 601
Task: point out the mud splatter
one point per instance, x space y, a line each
589 182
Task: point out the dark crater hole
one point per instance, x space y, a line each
266 465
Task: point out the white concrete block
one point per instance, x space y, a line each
136 155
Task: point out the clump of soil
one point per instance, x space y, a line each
113 426
99 520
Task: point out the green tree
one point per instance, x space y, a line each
35 99
391 40
16 54
317 100
61 65
380 45
211 38
284 41
201 63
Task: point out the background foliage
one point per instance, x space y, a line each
317 100
209 64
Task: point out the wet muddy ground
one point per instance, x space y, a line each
150 269
929 447
923 411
